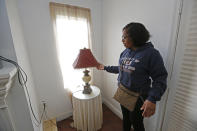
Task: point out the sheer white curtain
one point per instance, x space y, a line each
72 32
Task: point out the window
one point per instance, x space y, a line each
72 33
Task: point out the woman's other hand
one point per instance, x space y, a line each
149 108
100 67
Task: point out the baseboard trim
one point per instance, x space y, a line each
112 107
64 115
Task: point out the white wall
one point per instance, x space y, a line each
18 97
6 43
156 15
38 33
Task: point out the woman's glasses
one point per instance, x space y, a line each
124 37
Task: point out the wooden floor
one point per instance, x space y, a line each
111 122
50 125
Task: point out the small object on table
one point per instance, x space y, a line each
87 110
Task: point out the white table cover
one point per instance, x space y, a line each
87 110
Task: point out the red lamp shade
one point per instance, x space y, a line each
85 59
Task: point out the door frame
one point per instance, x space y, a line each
170 62
177 58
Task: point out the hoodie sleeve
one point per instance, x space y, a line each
159 75
112 69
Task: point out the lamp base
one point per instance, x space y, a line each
87 89
86 78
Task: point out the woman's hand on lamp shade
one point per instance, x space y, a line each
100 67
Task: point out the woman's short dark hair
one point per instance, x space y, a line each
137 33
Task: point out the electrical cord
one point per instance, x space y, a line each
22 78
76 91
20 70
44 104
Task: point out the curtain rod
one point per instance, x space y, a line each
66 5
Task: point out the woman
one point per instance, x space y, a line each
141 69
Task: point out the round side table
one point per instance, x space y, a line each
87 110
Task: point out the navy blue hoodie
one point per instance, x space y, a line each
137 68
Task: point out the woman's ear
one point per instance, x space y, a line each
130 41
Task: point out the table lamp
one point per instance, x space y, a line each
85 59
